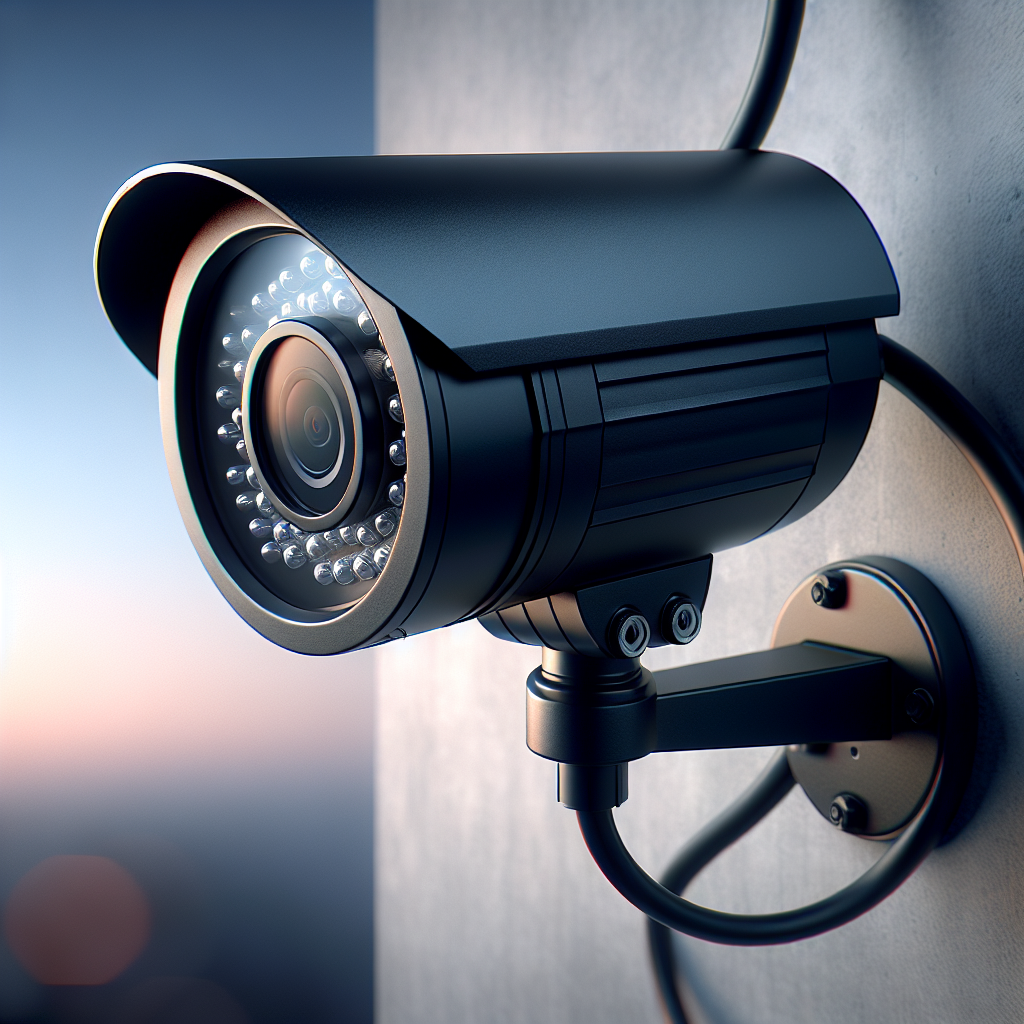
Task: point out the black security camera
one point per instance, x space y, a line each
542 391
400 392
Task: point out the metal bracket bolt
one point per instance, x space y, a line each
848 813
919 706
829 590
680 621
630 633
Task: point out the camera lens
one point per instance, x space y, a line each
312 431
303 411
316 427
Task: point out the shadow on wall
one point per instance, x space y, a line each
988 756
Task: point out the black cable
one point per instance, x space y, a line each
764 793
996 466
880 880
767 83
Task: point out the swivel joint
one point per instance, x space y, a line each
590 711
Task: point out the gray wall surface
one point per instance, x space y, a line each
488 907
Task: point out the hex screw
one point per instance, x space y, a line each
919 706
848 813
630 634
680 621
829 590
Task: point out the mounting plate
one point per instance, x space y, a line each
890 609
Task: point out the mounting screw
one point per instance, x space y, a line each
680 621
829 590
848 813
630 634
919 706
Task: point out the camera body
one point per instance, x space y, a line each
400 392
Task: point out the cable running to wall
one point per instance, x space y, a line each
760 102
763 795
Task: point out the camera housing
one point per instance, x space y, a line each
400 392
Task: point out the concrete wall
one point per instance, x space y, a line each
488 908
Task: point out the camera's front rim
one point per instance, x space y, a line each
370 618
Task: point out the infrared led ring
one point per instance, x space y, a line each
300 424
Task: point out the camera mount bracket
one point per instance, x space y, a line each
868 682
885 610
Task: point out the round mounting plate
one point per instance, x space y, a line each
892 610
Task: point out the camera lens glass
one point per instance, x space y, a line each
301 407
315 424
305 424
313 433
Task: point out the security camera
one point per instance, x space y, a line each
401 392
541 391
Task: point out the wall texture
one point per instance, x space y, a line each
488 908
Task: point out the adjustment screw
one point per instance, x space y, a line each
680 621
630 634
919 706
829 590
848 813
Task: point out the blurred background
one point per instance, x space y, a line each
186 811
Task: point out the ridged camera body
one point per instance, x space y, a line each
400 392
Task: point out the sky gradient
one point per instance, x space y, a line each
132 698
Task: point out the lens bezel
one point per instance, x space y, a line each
363 458
372 617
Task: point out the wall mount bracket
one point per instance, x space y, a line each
888 609
868 683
